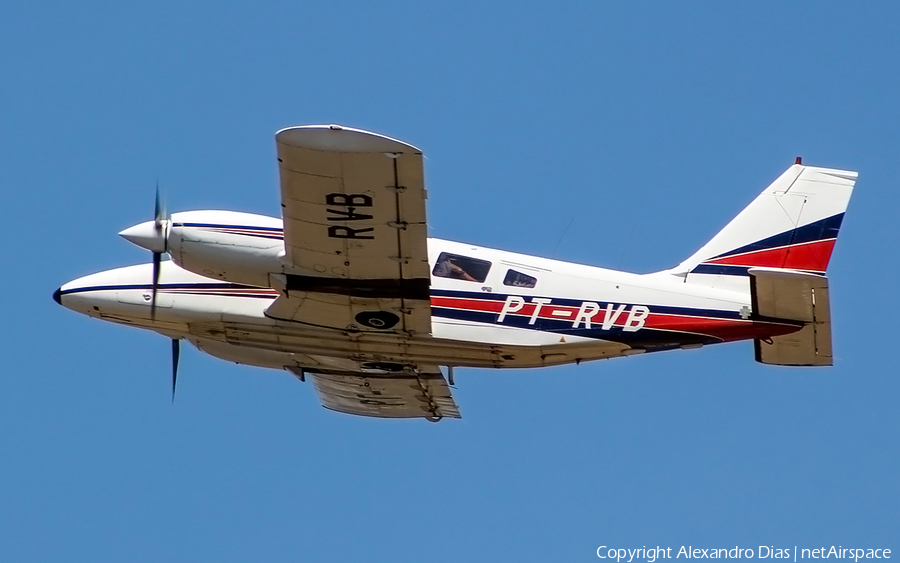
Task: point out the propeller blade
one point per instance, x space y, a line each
159 212
159 218
176 353
157 259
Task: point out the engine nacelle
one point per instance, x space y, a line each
237 247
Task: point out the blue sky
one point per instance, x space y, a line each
620 135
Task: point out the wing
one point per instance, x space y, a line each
410 392
355 236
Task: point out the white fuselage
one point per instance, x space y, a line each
518 311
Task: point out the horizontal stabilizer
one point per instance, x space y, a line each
793 296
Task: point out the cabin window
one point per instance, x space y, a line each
518 279
458 267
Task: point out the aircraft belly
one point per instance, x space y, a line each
367 347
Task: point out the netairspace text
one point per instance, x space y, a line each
651 554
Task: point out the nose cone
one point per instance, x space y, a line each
147 235
56 295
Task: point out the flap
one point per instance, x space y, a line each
348 312
405 394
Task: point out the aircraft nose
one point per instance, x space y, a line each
84 295
147 235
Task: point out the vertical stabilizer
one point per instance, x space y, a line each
791 225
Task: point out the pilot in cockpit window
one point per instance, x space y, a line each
461 268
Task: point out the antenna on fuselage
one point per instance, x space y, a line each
563 235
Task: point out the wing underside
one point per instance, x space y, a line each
355 235
409 393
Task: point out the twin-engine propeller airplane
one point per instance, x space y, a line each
348 289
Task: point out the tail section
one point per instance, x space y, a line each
792 225
778 248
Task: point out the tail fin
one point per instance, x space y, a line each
791 225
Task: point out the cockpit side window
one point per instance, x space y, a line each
458 267
518 279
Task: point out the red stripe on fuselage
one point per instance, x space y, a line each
725 329
728 330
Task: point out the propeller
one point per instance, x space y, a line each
176 353
154 236
159 227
